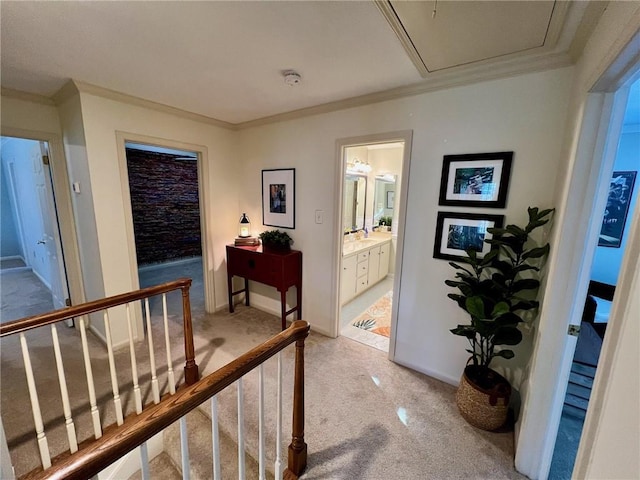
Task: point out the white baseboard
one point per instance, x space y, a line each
170 263
13 257
46 284
130 463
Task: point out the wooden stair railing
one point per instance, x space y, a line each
79 313
68 313
138 429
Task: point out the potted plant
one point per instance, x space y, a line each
498 292
276 240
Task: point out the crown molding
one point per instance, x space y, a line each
457 77
26 96
160 107
441 80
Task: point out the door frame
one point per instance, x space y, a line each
203 196
600 124
64 207
405 136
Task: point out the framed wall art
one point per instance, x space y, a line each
476 179
456 232
615 215
278 197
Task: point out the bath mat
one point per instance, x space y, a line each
377 318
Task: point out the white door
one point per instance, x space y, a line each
51 244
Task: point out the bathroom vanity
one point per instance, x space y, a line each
364 263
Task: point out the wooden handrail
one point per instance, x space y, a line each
191 373
138 429
54 316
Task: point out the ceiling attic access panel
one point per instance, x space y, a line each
467 32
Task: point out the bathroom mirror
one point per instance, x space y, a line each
383 197
355 198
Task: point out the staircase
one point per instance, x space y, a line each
166 466
579 388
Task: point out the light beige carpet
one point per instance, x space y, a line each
366 417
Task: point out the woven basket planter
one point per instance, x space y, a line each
483 408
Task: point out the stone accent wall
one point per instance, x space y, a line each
166 210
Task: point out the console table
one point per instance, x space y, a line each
276 269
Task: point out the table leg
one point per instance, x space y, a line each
230 287
246 292
283 308
299 299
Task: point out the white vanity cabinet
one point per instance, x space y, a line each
363 268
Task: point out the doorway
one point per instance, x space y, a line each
165 206
32 266
372 184
622 199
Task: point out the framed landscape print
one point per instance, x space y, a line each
476 179
278 197
615 215
456 232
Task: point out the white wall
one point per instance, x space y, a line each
542 391
607 260
25 115
524 114
23 159
102 118
10 244
613 409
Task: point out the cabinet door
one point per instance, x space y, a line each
348 278
385 253
374 263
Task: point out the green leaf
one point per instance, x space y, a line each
525 284
536 252
458 267
508 354
507 336
475 306
464 331
500 309
526 305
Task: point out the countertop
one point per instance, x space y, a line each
351 247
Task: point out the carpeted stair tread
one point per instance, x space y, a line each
160 468
200 450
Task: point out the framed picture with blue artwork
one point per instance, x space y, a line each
475 179
456 232
615 214
278 197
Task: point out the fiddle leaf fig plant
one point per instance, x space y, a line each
498 289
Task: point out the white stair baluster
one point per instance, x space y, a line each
171 380
64 393
241 465
134 364
184 446
215 438
95 414
278 464
117 402
43 446
261 465
144 462
152 355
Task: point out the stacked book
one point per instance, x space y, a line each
247 241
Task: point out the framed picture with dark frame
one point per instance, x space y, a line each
279 197
615 215
455 232
476 179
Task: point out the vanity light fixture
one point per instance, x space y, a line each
244 227
358 166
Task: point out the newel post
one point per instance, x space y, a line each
191 374
297 461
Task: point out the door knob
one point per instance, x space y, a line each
41 242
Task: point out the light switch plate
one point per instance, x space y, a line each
319 216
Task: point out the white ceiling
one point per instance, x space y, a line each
225 60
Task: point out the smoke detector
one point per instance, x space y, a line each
291 77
